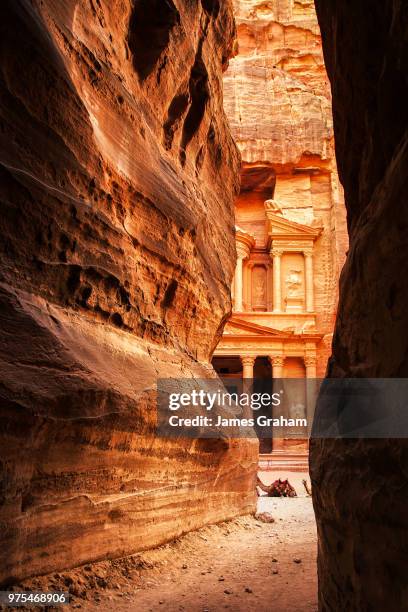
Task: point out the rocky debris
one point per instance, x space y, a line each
125 575
264 517
86 583
243 562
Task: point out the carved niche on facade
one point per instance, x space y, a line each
294 283
259 288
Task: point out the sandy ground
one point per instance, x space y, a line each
242 565
238 566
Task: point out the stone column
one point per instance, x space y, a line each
250 265
247 386
311 388
309 280
277 282
310 362
269 293
247 366
238 284
277 362
247 376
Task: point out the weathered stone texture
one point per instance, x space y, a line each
276 89
118 174
278 102
360 487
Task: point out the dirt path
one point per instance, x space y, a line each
243 565
239 566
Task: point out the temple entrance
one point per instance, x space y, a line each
263 383
263 370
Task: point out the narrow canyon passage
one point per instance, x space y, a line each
130 194
241 565
237 565
174 181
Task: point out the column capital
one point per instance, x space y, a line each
277 360
310 361
276 252
308 252
244 241
247 359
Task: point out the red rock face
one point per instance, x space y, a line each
118 175
276 89
360 486
278 102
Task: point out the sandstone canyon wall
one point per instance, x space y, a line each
118 175
277 99
360 487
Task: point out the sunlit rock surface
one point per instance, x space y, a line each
118 175
277 92
278 102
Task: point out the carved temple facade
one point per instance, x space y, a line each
291 235
273 328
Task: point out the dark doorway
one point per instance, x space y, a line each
263 383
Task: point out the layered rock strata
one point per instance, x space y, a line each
360 486
118 175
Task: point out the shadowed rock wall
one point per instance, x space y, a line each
118 175
360 487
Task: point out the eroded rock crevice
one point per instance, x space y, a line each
150 27
199 95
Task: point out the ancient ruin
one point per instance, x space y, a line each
291 237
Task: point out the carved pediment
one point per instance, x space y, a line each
238 327
280 228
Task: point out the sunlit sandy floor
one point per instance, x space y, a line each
243 565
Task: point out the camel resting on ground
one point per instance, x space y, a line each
279 488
